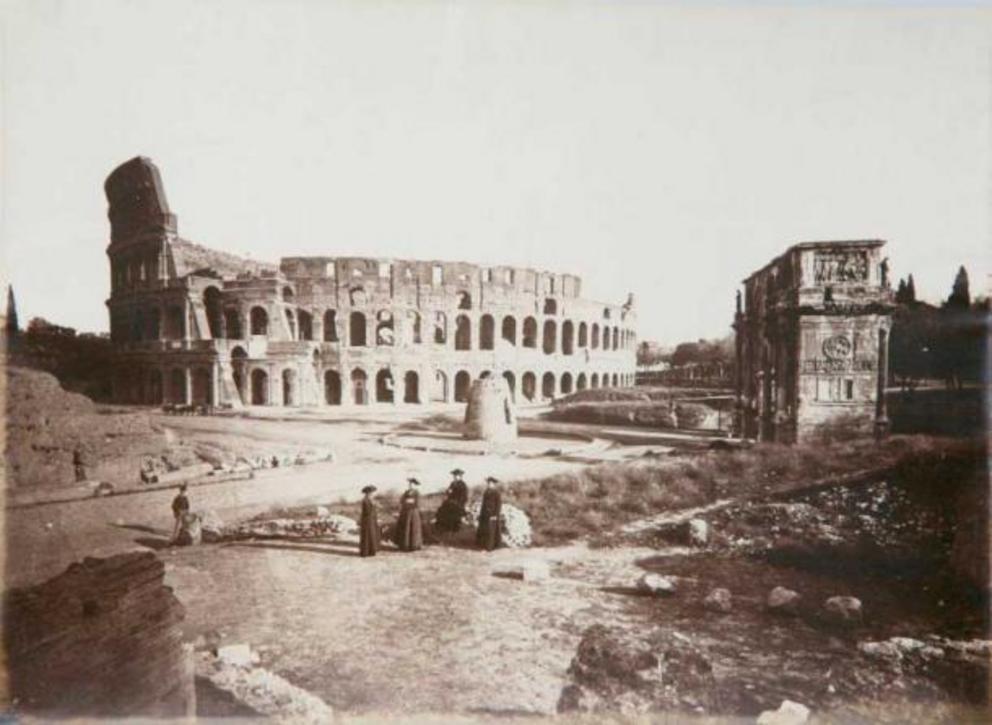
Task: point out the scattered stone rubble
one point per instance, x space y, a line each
332 524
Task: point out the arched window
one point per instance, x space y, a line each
413 325
463 333
616 339
259 319
384 328
384 386
583 335
356 296
487 332
411 387
232 321
202 387
463 382
580 382
548 386
439 393
464 301
215 312
510 329
595 337
616 380
568 337
594 381
550 336
566 383
330 326
550 306
356 329
175 323
528 385
177 386
332 387
306 325
530 332
359 386
440 328
259 387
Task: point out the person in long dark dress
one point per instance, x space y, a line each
489 535
368 535
409 528
452 510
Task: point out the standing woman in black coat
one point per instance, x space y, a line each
368 536
489 535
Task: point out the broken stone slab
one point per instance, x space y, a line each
719 600
656 584
530 570
788 713
783 601
235 654
880 650
843 610
698 533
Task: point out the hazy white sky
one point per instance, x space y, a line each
663 150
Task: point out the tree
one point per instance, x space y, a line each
960 293
901 292
910 290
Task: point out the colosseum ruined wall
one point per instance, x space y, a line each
193 325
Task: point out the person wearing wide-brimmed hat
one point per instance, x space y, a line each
409 534
489 535
368 534
449 516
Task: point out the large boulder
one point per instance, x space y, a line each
514 523
719 600
783 601
843 610
656 584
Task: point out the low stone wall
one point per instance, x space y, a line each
103 639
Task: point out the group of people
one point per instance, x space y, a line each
408 534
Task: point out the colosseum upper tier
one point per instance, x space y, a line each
197 326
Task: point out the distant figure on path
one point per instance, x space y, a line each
489 536
368 537
449 515
409 529
180 507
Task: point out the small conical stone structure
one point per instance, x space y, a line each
490 415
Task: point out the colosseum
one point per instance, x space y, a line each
195 326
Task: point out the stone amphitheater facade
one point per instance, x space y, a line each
193 325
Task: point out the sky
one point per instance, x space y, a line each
661 149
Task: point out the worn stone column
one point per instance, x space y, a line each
881 406
188 372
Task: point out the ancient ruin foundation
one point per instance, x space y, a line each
197 326
813 342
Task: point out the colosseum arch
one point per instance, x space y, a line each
550 342
509 331
356 296
528 385
440 328
202 386
137 325
359 386
177 386
487 332
384 333
289 387
463 381
616 380
306 324
411 387
259 320
215 313
332 387
175 323
580 382
594 380
616 339
548 385
232 321
384 386
530 332
463 334
594 343
330 325
357 329
155 388
464 300
439 393
566 383
511 383
259 387
583 335
568 337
